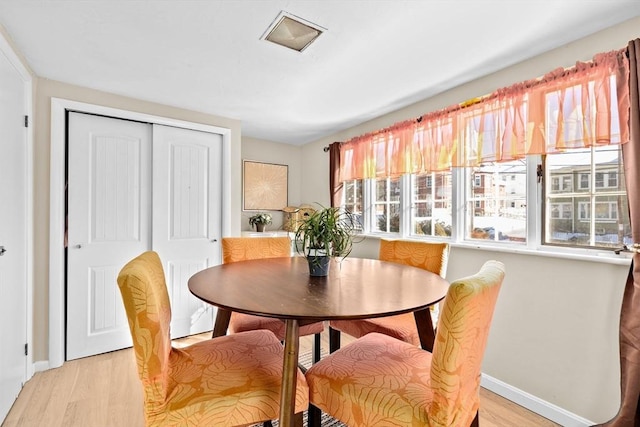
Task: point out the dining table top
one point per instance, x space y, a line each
356 288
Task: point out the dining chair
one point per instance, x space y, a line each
226 381
378 380
429 256
236 249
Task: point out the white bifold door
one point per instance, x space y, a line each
134 187
13 234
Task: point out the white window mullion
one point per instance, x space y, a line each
406 206
534 202
369 204
460 180
592 198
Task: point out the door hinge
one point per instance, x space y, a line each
26 121
26 349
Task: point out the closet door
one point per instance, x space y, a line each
187 210
135 187
13 234
109 223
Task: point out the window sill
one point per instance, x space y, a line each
593 255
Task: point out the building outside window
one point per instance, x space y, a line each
431 204
353 201
598 218
386 205
497 208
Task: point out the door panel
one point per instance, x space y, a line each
187 217
109 217
13 235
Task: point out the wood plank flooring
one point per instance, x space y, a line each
104 391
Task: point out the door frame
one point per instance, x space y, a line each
59 106
7 50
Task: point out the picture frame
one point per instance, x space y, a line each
264 186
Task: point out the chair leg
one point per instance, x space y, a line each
314 416
298 419
334 339
476 420
317 343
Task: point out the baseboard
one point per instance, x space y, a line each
533 403
40 366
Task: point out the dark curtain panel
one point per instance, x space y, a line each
335 186
629 415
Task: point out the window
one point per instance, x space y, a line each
584 181
387 205
497 209
353 199
596 218
604 211
431 204
561 210
607 179
562 183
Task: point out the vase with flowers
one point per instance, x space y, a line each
260 221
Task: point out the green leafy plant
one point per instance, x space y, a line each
327 232
261 218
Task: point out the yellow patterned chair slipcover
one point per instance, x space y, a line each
426 255
380 381
227 381
236 249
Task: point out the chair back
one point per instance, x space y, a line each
429 256
236 249
146 301
461 338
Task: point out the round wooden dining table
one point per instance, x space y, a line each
282 288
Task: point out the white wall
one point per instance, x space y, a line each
555 330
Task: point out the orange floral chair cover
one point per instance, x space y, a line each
236 249
429 256
380 381
227 381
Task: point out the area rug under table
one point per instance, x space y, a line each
327 420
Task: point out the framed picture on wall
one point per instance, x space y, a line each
264 186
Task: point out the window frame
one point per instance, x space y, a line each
535 211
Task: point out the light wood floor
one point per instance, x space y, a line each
104 391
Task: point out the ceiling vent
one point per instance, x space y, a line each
293 32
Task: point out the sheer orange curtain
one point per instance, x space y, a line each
567 108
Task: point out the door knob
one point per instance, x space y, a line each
78 246
2 250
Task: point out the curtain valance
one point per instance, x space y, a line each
582 106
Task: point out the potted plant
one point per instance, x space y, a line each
260 220
325 234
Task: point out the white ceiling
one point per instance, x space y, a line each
375 57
